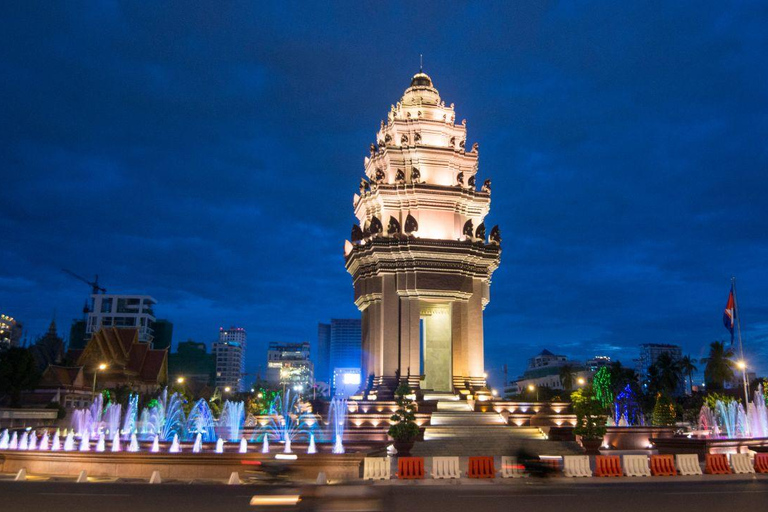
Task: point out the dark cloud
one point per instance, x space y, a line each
208 155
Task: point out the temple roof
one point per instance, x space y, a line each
124 355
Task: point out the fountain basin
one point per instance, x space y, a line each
703 445
182 466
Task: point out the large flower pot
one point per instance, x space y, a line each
592 446
403 448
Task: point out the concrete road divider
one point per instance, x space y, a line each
688 464
576 466
82 478
445 467
663 465
376 468
234 479
741 463
636 465
21 476
155 478
717 464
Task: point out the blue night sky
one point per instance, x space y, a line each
208 154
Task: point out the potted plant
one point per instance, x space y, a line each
404 429
590 419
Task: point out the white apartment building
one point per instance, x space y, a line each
122 311
229 352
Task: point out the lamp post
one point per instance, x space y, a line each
533 388
581 381
99 368
741 365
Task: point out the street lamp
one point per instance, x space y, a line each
101 367
494 392
533 388
227 389
742 365
581 381
180 380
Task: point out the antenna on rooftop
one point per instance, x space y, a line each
421 63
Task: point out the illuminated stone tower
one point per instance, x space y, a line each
420 259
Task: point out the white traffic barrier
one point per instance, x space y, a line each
82 478
21 476
636 465
234 478
576 466
445 467
321 479
376 468
688 464
155 478
510 468
741 463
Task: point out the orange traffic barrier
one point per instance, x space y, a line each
717 464
761 462
607 465
663 465
481 467
410 468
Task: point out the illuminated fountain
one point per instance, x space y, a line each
32 441
134 444
131 413
286 421
231 420
69 442
243 445
312 448
24 441
198 446
730 420
116 442
200 422
174 425
4 440
220 446
265 444
155 444
111 418
338 417
101 443
85 441
175 446
56 445
45 442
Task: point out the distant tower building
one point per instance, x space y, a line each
346 340
323 353
229 352
420 257
289 366
10 332
163 334
596 363
649 353
131 311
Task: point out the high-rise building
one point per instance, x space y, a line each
289 366
323 353
597 362
163 334
193 363
229 352
420 257
77 339
10 332
122 311
649 354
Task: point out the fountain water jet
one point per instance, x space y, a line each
312 448
220 446
265 444
69 442
44 442
101 443
13 444
24 441
32 441
231 420
338 416
155 444
175 447
56 446
198 446
116 442
134 444
4 440
243 445
85 442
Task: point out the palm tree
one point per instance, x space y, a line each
567 373
719 367
621 376
669 373
688 367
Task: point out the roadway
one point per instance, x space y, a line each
542 496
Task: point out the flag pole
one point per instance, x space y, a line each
743 363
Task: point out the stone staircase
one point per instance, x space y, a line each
455 429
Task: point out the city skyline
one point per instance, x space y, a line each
626 160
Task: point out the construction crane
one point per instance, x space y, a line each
95 288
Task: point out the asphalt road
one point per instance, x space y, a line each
541 496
